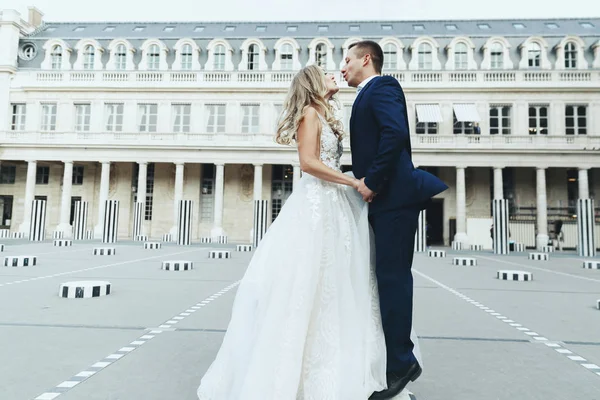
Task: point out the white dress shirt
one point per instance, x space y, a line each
364 83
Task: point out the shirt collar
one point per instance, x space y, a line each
364 83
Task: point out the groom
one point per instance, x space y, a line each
397 192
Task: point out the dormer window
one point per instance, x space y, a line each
219 54
570 56
497 56
425 56
153 57
390 57
121 57
287 57
89 55
186 57
461 56
534 55
56 57
321 55
253 55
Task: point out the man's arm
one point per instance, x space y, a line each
389 110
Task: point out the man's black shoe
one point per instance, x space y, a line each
397 382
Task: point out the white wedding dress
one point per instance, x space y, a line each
305 323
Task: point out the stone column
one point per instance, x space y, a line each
103 196
29 196
584 186
217 229
65 204
178 195
498 184
461 207
542 211
141 186
297 175
258 181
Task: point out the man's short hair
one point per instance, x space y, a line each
372 48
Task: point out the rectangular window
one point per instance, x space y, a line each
576 120
74 199
207 196
282 186
114 117
181 117
215 122
464 127
250 118
18 117
48 123
538 119
82 117
42 175
147 117
77 175
8 174
500 120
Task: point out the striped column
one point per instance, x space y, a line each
138 219
37 227
111 221
586 245
421 234
184 223
80 222
261 208
500 213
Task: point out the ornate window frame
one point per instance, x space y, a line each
112 48
487 53
560 53
312 48
436 65
450 48
524 48
401 64
66 54
163 49
296 65
80 48
177 64
262 55
210 64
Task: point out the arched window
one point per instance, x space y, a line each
425 56
89 54
461 56
534 54
186 57
219 59
121 57
570 55
56 57
497 56
321 55
153 58
287 57
253 57
390 57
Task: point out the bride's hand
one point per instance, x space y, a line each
355 183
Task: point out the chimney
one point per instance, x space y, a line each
35 17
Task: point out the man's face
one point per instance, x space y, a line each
353 68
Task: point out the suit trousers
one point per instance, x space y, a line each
394 232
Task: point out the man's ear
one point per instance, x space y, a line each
366 59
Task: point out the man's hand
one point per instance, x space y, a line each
366 193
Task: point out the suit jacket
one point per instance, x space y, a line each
381 150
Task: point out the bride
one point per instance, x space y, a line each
305 323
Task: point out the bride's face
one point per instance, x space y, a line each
331 85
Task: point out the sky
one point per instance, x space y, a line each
302 10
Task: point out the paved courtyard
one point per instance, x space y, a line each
155 335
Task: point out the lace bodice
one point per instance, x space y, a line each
331 147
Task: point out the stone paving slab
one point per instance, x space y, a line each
469 353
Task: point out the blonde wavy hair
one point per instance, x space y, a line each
308 88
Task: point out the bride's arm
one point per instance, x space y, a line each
309 150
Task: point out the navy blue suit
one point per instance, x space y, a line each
381 153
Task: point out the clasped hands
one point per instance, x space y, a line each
366 193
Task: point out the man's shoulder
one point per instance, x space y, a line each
385 80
